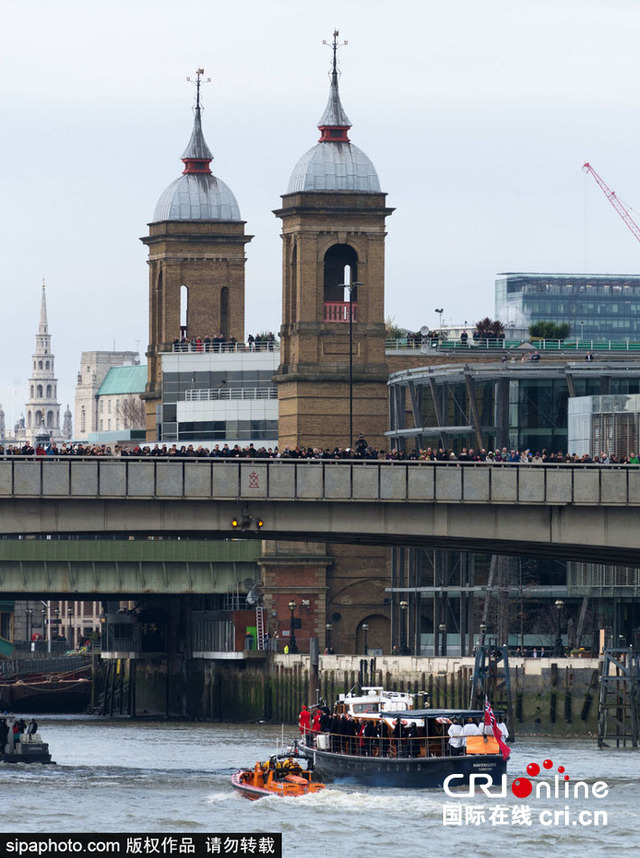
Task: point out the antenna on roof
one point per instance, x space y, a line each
198 81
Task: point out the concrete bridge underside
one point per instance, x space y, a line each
575 512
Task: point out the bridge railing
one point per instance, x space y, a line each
105 478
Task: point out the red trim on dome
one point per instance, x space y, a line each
334 134
196 165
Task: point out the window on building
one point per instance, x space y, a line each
6 625
184 310
340 269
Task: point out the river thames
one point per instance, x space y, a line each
159 777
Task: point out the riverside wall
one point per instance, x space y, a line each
549 696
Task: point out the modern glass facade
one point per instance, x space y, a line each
605 424
518 406
596 306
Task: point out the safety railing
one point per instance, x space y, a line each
224 347
420 343
340 311
231 393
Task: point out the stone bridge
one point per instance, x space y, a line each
582 512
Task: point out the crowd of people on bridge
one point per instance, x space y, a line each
360 451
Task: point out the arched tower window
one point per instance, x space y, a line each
158 316
50 419
39 364
39 389
184 310
46 364
224 312
48 391
340 269
38 418
294 283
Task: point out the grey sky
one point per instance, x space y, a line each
478 117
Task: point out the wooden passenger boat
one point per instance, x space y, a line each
282 775
418 754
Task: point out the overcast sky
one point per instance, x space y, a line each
477 116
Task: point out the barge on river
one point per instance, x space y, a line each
415 754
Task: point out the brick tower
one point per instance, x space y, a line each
196 261
332 379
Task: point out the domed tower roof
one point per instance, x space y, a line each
334 163
197 194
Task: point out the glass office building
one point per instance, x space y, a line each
516 405
596 306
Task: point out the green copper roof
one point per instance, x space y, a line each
123 380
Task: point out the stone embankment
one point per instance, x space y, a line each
549 695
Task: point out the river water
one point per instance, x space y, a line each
157 777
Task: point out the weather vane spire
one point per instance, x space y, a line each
335 45
197 82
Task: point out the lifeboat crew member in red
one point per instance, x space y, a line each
304 720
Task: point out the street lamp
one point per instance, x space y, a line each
403 640
439 312
443 636
558 650
581 331
293 646
365 629
70 624
327 629
351 287
29 612
483 631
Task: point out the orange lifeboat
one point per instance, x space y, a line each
283 777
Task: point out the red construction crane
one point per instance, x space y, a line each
615 202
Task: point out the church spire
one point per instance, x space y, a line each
197 156
334 123
43 327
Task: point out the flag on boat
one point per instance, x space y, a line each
490 718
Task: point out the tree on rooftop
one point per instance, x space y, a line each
489 329
550 330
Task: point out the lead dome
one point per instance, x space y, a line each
334 163
197 194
